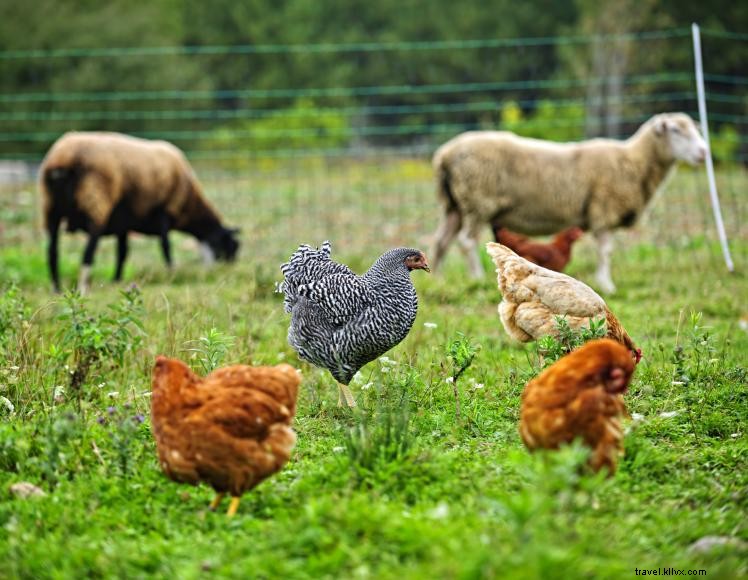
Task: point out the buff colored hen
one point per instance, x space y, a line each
534 296
580 395
231 429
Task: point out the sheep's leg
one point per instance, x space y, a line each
468 240
604 250
443 237
84 276
53 227
164 235
121 255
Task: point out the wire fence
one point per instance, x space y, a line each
298 162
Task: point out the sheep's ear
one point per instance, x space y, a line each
660 126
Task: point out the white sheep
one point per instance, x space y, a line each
111 184
539 187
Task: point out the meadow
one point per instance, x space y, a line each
404 486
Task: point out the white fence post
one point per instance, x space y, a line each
696 33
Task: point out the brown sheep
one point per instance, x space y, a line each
538 187
111 184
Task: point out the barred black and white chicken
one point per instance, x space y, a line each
341 321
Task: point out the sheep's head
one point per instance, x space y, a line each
682 137
224 244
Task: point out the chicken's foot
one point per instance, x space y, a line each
216 502
233 506
345 392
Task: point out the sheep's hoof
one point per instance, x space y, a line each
606 286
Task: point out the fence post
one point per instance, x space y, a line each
696 33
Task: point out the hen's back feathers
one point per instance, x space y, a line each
230 429
533 296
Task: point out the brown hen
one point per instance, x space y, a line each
580 395
231 429
554 255
533 296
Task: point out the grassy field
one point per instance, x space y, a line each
401 488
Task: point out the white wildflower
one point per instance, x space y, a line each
338 449
7 404
367 386
101 385
440 512
58 394
113 394
668 414
450 379
677 383
430 324
637 417
386 361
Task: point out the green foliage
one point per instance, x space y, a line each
122 428
725 144
377 442
552 348
460 352
303 125
87 341
210 350
58 452
548 121
14 319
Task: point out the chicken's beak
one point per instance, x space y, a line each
426 267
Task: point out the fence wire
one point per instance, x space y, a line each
304 163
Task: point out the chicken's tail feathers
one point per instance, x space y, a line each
305 266
619 334
501 255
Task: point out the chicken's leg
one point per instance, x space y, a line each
233 506
344 391
216 501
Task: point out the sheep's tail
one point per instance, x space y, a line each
444 185
619 334
58 185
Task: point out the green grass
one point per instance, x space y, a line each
402 488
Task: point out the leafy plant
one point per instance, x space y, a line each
122 427
549 120
551 348
59 441
14 314
692 369
210 350
89 340
460 352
